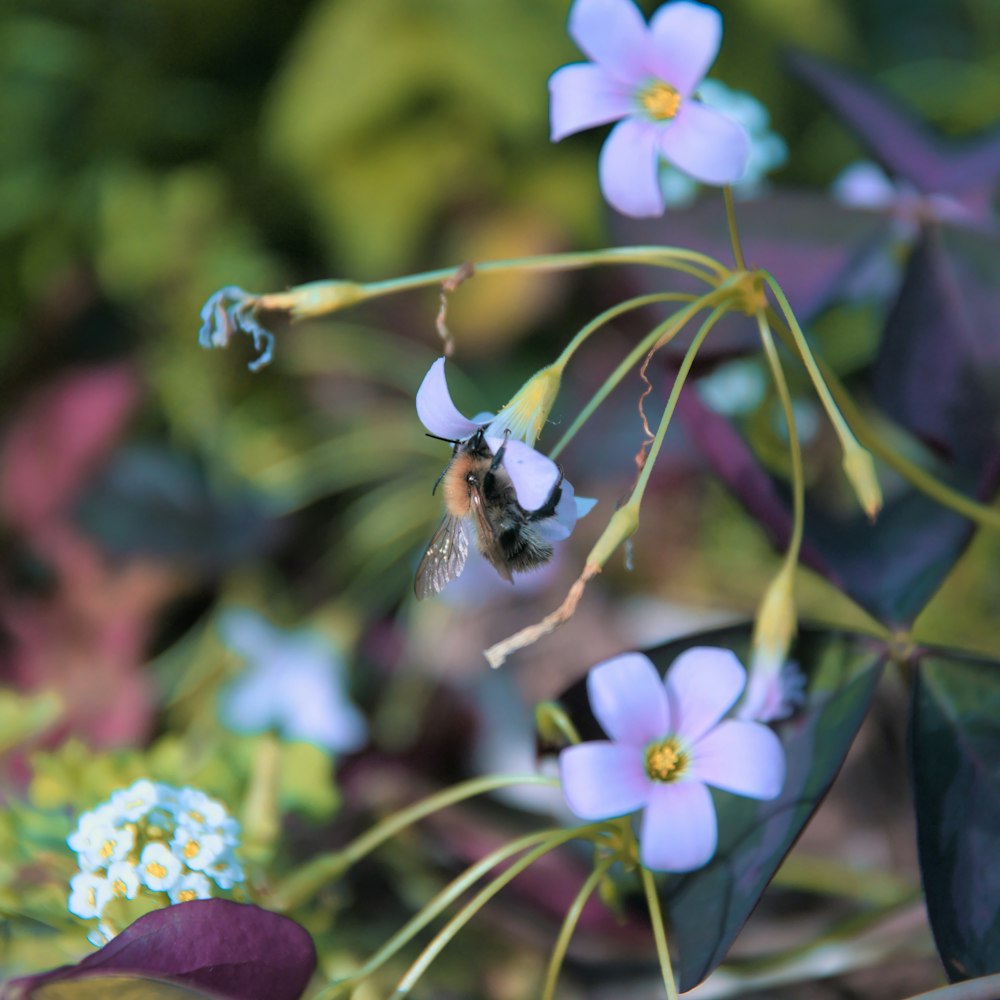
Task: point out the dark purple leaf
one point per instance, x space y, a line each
708 907
155 502
930 373
891 568
903 145
231 950
955 744
813 247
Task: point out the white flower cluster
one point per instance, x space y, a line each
151 838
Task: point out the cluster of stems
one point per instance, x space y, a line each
747 291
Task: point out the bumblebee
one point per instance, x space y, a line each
476 484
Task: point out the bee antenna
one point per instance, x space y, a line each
437 437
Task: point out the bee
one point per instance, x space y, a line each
475 483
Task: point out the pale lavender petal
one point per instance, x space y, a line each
686 38
629 168
533 476
742 757
706 144
436 410
568 511
703 684
601 780
679 832
629 700
583 95
614 34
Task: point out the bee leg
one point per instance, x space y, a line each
437 482
498 457
548 508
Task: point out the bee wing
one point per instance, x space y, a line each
489 544
444 559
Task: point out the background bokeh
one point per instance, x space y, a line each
152 152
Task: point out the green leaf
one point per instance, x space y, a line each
956 766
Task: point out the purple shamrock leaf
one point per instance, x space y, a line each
231 950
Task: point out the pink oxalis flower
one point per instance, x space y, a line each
645 78
669 741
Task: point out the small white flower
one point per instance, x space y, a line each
98 841
197 849
194 885
89 894
158 868
124 879
198 811
226 870
136 801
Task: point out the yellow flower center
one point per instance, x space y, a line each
660 101
186 895
156 869
191 849
108 848
666 761
196 816
92 898
119 887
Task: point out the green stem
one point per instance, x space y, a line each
625 521
675 392
734 233
914 474
665 331
317 298
435 907
569 925
659 933
844 433
609 314
444 936
798 476
305 882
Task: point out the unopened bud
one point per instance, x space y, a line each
860 471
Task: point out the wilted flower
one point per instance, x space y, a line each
231 309
532 475
645 78
669 742
151 839
294 682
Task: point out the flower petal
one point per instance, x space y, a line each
568 511
679 832
436 410
601 779
629 700
628 168
742 757
703 684
686 38
706 144
583 95
533 475
614 34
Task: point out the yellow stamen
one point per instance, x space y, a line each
665 761
196 816
92 898
660 101
156 869
186 895
119 887
191 849
108 848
